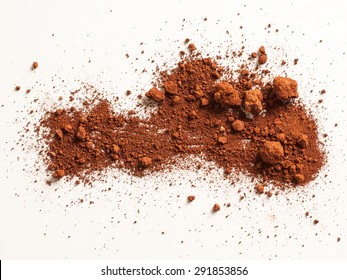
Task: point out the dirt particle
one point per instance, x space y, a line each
171 87
216 208
191 47
271 152
35 65
146 162
58 174
222 140
115 149
281 137
68 128
303 141
253 101
299 178
59 133
155 94
260 188
238 125
262 58
199 115
225 94
285 88
81 133
204 102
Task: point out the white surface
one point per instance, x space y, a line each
35 222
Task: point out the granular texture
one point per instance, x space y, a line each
241 123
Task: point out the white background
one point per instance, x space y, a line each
34 219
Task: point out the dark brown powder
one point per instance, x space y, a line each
243 124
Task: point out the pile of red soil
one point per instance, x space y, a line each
240 123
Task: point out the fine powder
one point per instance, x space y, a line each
241 122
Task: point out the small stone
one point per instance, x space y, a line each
199 93
175 135
252 102
176 99
216 74
52 166
260 188
277 122
146 161
83 119
191 47
204 102
238 125
35 65
299 178
89 145
271 152
58 174
171 87
52 154
303 141
59 134
81 133
222 140
59 112
155 94
285 88
192 115
216 208
262 58
262 49
115 149
226 94
281 137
